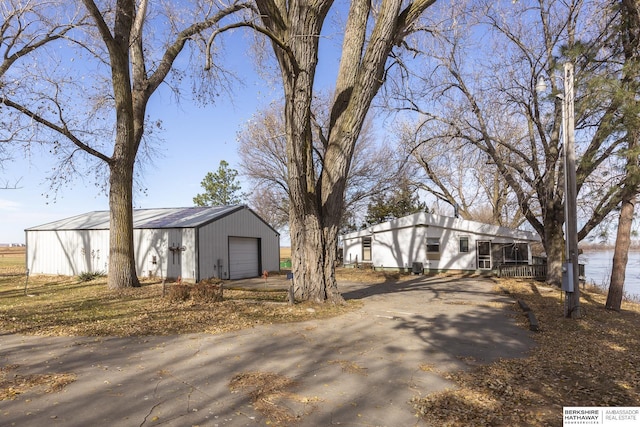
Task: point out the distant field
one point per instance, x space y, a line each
285 253
14 257
11 258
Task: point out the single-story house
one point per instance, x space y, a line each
226 242
425 242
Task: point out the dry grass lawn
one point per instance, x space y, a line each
12 261
593 361
63 306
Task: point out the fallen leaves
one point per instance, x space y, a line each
63 306
271 395
588 362
13 384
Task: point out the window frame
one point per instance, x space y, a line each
518 248
431 245
468 243
366 248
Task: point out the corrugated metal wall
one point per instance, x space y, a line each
213 241
166 253
67 252
163 253
72 252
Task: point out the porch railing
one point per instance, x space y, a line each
532 271
525 271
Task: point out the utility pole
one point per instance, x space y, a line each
571 270
571 284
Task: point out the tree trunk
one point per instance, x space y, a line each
629 36
305 218
313 263
122 270
621 255
317 202
554 247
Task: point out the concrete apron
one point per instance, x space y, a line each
360 369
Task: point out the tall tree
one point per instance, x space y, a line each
459 175
222 188
627 34
123 57
400 201
264 162
489 101
371 31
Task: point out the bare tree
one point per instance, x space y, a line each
458 174
10 185
263 161
627 34
25 27
294 28
268 202
123 56
489 101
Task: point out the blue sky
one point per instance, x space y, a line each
195 140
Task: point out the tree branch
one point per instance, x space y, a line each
63 130
176 47
262 30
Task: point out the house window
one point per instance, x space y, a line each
366 249
516 253
464 244
433 244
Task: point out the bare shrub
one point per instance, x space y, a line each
206 291
179 292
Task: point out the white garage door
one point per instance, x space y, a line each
243 258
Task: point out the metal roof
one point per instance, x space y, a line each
145 218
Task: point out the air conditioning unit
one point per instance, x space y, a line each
418 268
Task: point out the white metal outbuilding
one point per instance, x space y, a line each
226 242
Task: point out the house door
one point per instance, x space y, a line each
484 254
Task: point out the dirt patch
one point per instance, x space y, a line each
349 367
272 395
13 384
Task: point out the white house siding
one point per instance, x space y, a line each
401 248
450 256
213 242
401 242
67 252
